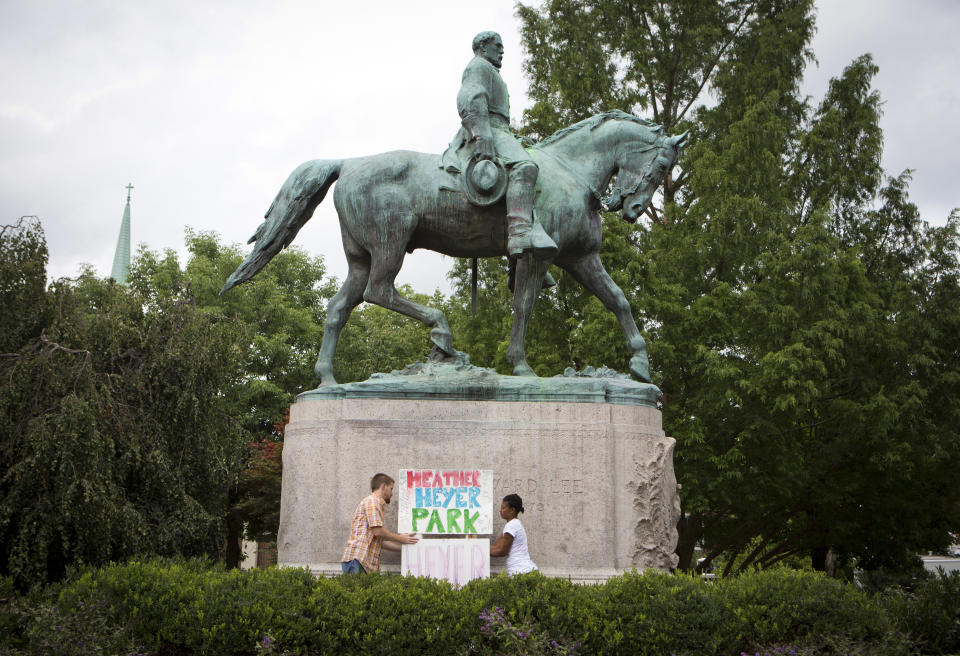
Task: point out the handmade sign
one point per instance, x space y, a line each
446 501
457 560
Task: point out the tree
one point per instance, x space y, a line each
786 293
23 277
113 440
281 313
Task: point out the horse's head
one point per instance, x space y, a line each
641 169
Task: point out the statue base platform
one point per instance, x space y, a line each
587 454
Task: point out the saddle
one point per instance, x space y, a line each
462 170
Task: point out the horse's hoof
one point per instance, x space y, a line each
436 354
523 369
640 368
443 339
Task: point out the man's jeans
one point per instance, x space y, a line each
353 567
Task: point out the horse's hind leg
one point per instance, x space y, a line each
385 263
338 311
527 285
590 273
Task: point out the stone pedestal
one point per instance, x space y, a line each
596 478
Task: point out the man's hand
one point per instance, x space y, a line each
485 148
402 538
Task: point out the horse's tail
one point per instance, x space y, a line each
293 206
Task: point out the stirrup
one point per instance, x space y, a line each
544 248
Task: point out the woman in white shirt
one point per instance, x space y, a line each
513 542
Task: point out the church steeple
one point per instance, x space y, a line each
121 259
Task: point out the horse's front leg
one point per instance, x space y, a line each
590 273
529 279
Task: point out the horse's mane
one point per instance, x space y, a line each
597 120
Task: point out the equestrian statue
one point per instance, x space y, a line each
486 196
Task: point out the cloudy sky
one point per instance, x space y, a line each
207 106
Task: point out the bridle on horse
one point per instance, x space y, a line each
618 194
611 204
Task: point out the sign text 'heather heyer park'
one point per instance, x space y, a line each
446 501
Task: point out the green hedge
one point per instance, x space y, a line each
166 607
930 614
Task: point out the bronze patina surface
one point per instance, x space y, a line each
393 203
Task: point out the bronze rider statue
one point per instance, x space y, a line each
484 107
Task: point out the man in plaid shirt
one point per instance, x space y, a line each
367 533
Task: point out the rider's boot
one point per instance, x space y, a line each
523 235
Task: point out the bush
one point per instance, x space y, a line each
793 606
558 606
930 614
396 615
196 606
656 613
907 576
169 607
501 636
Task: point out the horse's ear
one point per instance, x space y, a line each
678 140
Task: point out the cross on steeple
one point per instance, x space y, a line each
129 189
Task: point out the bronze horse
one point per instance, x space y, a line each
391 204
